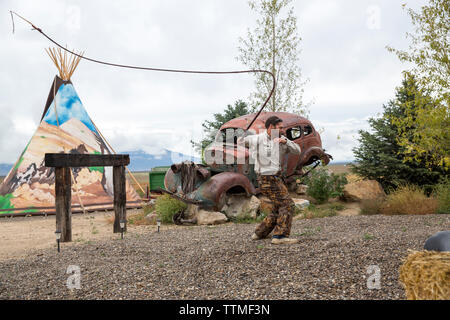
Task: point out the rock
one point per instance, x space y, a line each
240 205
363 190
438 242
301 189
301 203
191 211
205 217
151 217
202 216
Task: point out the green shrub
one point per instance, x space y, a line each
166 207
442 193
323 185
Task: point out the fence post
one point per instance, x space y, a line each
63 195
120 197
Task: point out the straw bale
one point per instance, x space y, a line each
426 275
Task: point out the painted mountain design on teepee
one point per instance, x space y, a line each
65 128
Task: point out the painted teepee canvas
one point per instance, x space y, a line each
65 127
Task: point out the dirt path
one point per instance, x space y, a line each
20 236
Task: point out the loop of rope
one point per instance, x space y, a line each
155 69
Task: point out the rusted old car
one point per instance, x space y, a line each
209 185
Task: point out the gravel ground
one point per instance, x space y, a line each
221 262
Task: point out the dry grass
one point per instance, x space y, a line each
371 206
409 199
426 275
352 177
136 217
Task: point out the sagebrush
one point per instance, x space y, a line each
323 185
409 199
166 207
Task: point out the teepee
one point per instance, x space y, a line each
65 127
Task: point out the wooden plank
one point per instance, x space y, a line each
120 198
63 195
86 160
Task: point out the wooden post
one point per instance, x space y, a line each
62 163
120 198
63 195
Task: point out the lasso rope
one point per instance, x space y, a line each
154 69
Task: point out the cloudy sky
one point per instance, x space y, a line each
350 72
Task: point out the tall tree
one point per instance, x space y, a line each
274 46
379 155
428 54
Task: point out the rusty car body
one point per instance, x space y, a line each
209 184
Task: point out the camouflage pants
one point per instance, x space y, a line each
280 219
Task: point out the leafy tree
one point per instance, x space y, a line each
273 46
423 128
430 45
429 55
210 128
381 157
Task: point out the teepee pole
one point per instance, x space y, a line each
106 141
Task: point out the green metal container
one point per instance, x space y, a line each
156 177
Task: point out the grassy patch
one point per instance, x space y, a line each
138 218
321 211
368 236
308 232
247 218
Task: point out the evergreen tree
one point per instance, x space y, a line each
380 157
210 128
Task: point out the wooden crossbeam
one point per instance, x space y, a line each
86 160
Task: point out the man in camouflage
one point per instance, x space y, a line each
269 148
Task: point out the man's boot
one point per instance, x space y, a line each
284 240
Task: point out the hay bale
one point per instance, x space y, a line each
426 275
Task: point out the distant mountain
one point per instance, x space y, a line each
4 168
142 161
139 160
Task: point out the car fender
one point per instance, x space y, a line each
307 155
211 193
